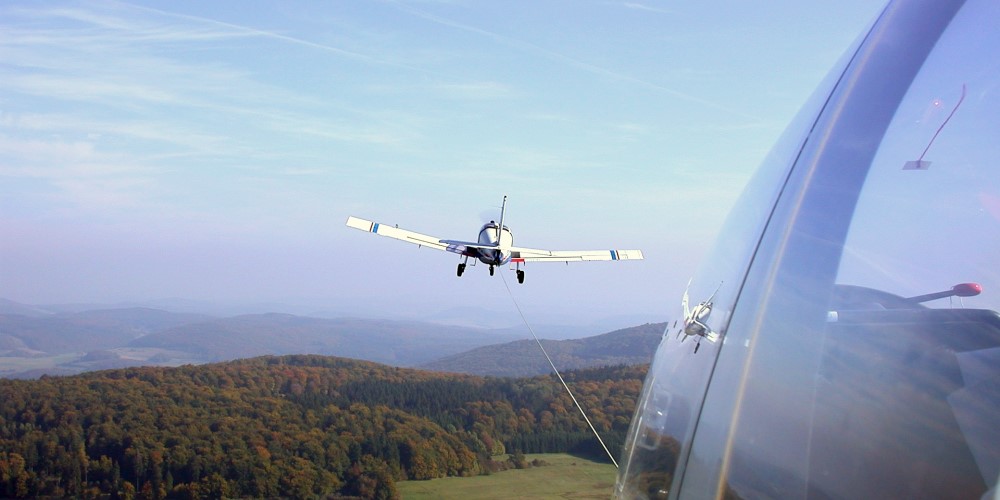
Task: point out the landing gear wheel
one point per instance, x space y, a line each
520 276
461 269
491 270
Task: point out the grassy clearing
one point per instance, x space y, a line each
9 365
566 476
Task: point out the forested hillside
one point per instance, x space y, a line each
298 426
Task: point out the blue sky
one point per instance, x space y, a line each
213 150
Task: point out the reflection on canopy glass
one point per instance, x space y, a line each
859 343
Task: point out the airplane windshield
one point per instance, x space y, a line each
919 388
928 226
860 351
896 392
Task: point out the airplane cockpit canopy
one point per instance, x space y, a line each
842 339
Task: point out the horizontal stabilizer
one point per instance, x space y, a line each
469 244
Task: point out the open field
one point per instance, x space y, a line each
16 364
565 476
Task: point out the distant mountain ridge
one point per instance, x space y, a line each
36 341
41 340
400 343
11 307
522 358
87 331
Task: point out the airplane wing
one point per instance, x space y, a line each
409 236
519 254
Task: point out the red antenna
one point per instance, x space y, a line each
959 290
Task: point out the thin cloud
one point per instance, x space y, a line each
91 89
58 159
145 130
134 76
142 85
475 91
584 66
79 174
644 7
246 30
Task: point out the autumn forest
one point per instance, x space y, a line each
300 426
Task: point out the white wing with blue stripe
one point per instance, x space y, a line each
519 254
394 232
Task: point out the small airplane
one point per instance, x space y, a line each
495 246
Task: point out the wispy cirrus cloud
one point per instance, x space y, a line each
644 7
81 174
100 97
565 59
475 90
108 58
256 32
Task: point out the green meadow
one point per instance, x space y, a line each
564 476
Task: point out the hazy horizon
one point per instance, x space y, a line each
471 316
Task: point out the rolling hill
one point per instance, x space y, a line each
521 358
398 343
36 341
85 331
